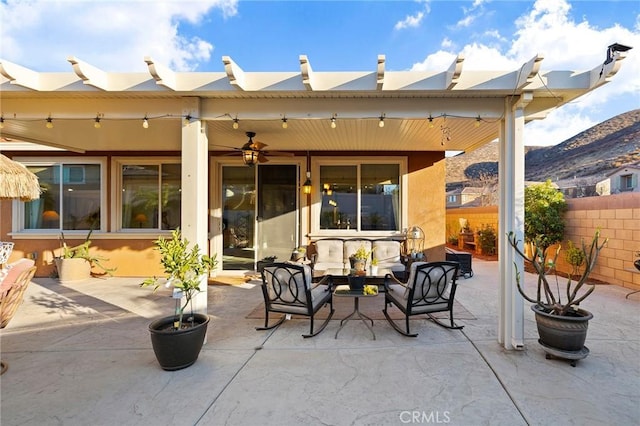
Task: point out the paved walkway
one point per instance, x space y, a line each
80 354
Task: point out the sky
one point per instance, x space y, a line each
339 36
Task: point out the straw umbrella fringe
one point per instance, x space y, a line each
17 182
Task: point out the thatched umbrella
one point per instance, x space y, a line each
16 181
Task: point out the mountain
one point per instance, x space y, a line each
589 155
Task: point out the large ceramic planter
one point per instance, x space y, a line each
177 349
565 334
73 269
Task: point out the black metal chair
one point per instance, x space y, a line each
287 289
431 288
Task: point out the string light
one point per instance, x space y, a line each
97 124
187 120
477 123
235 123
1 122
284 123
49 123
430 121
145 122
381 122
333 122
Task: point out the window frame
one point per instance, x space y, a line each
18 210
116 211
316 197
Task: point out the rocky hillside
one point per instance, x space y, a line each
589 155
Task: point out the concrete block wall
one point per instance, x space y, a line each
617 217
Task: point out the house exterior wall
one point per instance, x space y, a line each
134 256
617 217
611 185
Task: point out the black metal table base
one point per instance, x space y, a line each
356 312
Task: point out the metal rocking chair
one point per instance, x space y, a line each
287 289
431 288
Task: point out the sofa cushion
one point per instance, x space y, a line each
329 254
351 246
388 253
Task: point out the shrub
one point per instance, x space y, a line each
487 239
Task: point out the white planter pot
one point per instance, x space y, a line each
73 269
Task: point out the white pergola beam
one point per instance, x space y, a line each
307 72
454 71
602 74
161 74
380 72
528 71
235 74
20 75
89 74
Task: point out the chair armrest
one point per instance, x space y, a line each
323 281
391 279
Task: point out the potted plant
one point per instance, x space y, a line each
359 260
562 324
75 263
177 339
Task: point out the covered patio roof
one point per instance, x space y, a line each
447 109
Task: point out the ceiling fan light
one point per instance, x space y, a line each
250 157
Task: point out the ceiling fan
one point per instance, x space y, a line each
253 151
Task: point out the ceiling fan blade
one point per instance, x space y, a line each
262 158
227 146
257 146
280 153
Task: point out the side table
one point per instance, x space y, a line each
345 291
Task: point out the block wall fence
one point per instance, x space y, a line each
617 217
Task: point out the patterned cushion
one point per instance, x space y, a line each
15 269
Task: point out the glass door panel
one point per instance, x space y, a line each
277 211
238 213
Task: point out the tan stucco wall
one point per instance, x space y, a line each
617 217
426 204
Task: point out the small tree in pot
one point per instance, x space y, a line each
562 325
185 267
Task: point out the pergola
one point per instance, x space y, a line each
194 113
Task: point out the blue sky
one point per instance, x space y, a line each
339 36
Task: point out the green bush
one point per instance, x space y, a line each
544 207
574 257
487 239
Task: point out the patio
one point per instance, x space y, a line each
80 354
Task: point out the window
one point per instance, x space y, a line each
72 196
363 197
150 194
627 182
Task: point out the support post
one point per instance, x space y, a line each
195 154
511 214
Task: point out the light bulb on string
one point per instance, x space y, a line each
97 124
235 123
381 122
284 123
49 123
333 122
145 122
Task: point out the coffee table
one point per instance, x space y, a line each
345 291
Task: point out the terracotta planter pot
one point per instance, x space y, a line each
73 269
178 349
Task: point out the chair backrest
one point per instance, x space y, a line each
351 246
329 250
287 283
432 282
13 288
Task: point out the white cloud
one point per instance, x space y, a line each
411 21
114 36
566 45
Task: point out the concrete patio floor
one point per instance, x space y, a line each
80 354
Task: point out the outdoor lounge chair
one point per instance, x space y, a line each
12 292
287 289
431 288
